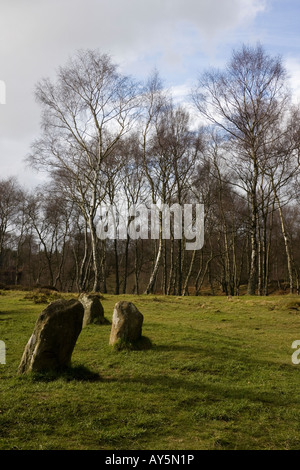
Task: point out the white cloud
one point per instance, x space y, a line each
292 65
37 36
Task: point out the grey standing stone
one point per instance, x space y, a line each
93 309
127 323
51 344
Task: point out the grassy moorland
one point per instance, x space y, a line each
219 376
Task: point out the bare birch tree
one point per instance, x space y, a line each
84 115
245 100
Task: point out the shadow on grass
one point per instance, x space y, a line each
68 374
215 392
142 344
179 347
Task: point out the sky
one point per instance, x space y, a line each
179 38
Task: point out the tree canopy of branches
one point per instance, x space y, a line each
108 140
247 101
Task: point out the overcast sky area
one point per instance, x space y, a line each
180 38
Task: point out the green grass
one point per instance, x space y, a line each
219 375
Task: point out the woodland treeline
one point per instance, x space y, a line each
233 146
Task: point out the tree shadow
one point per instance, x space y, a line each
215 391
179 347
73 373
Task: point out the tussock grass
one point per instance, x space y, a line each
218 375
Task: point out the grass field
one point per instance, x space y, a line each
219 376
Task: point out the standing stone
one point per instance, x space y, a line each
51 344
93 310
127 323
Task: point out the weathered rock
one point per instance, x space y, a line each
93 309
127 323
51 344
